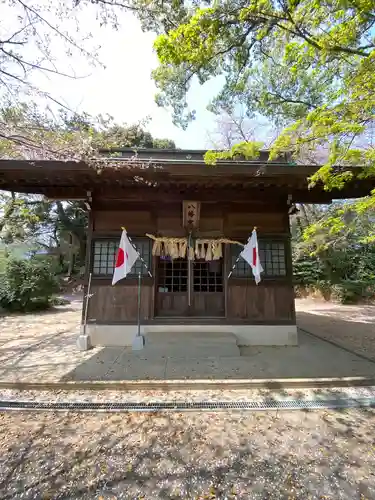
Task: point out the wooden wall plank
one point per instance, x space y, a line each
240 224
172 304
170 226
245 302
215 221
270 301
137 222
236 302
119 303
210 227
208 304
260 303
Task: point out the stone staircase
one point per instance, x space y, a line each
191 344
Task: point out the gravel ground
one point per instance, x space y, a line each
351 326
149 396
42 347
285 455
40 325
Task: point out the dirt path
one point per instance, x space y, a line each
352 327
40 346
295 455
32 328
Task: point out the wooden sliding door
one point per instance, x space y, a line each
172 297
207 294
192 289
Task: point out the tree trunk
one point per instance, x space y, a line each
8 211
70 256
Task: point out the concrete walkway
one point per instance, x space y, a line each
312 358
41 348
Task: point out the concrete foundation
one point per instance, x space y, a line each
84 342
123 335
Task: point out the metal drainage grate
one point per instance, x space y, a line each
297 404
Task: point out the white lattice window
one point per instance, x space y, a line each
272 257
104 255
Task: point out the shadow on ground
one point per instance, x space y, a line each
40 314
191 456
355 331
311 358
45 360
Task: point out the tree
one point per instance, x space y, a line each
29 33
28 133
34 34
332 250
234 126
307 65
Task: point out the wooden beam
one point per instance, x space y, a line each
174 194
64 198
123 196
187 167
118 186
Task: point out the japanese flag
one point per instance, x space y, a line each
125 258
250 253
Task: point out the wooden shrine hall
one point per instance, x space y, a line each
188 221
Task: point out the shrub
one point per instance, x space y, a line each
352 291
59 301
307 270
325 289
27 285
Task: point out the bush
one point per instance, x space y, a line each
59 301
27 285
307 270
351 291
3 260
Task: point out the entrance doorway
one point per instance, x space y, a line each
194 289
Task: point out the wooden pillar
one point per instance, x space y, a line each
289 264
88 258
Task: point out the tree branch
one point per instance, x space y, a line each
56 30
36 66
292 101
3 42
304 34
114 4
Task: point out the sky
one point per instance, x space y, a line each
124 88
121 85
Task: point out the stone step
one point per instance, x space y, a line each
191 345
199 352
190 338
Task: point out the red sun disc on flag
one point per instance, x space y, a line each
254 257
120 257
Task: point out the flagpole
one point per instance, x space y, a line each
140 256
127 255
139 305
139 341
238 258
189 270
87 304
234 265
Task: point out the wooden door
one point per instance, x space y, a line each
194 290
172 287
207 288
